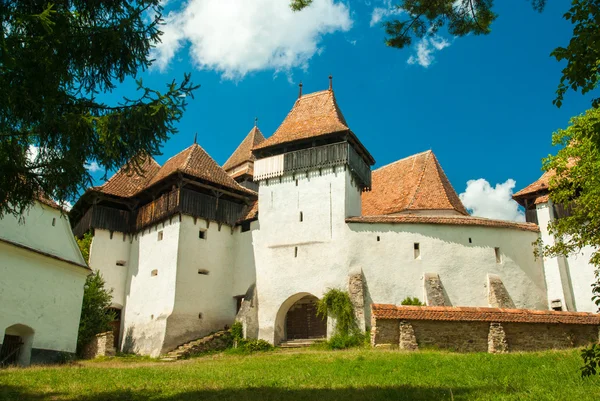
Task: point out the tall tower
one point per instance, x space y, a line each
311 173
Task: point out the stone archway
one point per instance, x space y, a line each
297 319
16 345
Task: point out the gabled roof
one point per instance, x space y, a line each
194 161
411 184
128 183
538 188
313 115
243 153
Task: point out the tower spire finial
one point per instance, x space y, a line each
195 137
300 93
330 82
255 121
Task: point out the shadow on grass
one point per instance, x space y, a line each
259 394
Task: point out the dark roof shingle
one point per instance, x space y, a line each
128 183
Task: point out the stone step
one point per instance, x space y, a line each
301 343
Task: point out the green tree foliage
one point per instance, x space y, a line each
95 313
412 301
56 59
420 19
84 245
576 185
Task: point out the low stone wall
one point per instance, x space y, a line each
101 345
480 329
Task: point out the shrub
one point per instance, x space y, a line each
341 341
256 345
84 245
95 313
412 301
237 331
337 304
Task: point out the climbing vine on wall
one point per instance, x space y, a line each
337 304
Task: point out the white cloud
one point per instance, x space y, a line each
426 48
236 37
93 167
494 203
380 13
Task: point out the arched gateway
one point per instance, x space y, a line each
16 345
297 319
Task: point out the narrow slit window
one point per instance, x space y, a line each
202 234
417 250
301 217
498 255
378 238
160 235
296 252
470 241
296 182
53 221
203 272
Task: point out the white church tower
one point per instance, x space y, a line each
311 174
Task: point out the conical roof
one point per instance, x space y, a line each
313 115
128 183
194 161
243 153
411 184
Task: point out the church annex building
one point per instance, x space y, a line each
190 246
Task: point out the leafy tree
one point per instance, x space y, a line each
56 59
84 245
95 313
576 184
420 19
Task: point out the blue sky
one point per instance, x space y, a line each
483 104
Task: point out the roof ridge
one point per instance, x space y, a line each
189 157
400 160
414 197
441 175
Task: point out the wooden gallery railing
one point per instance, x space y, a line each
177 201
335 154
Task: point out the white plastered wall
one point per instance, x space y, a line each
106 250
36 290
329 249
569 278
149 298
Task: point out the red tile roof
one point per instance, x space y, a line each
128 183
251 212
410 184
313 115
46 200
243 153
473 314
194 161
447 220
541 186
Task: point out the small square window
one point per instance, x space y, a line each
417 250
498 255
202 234
160 235
154 272
245 226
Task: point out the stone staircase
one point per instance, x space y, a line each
301 343
214 342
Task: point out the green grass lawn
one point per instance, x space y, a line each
362 374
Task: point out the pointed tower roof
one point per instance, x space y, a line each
128 183
194 161
243 153
411 184
313 115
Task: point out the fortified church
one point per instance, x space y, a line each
190 246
